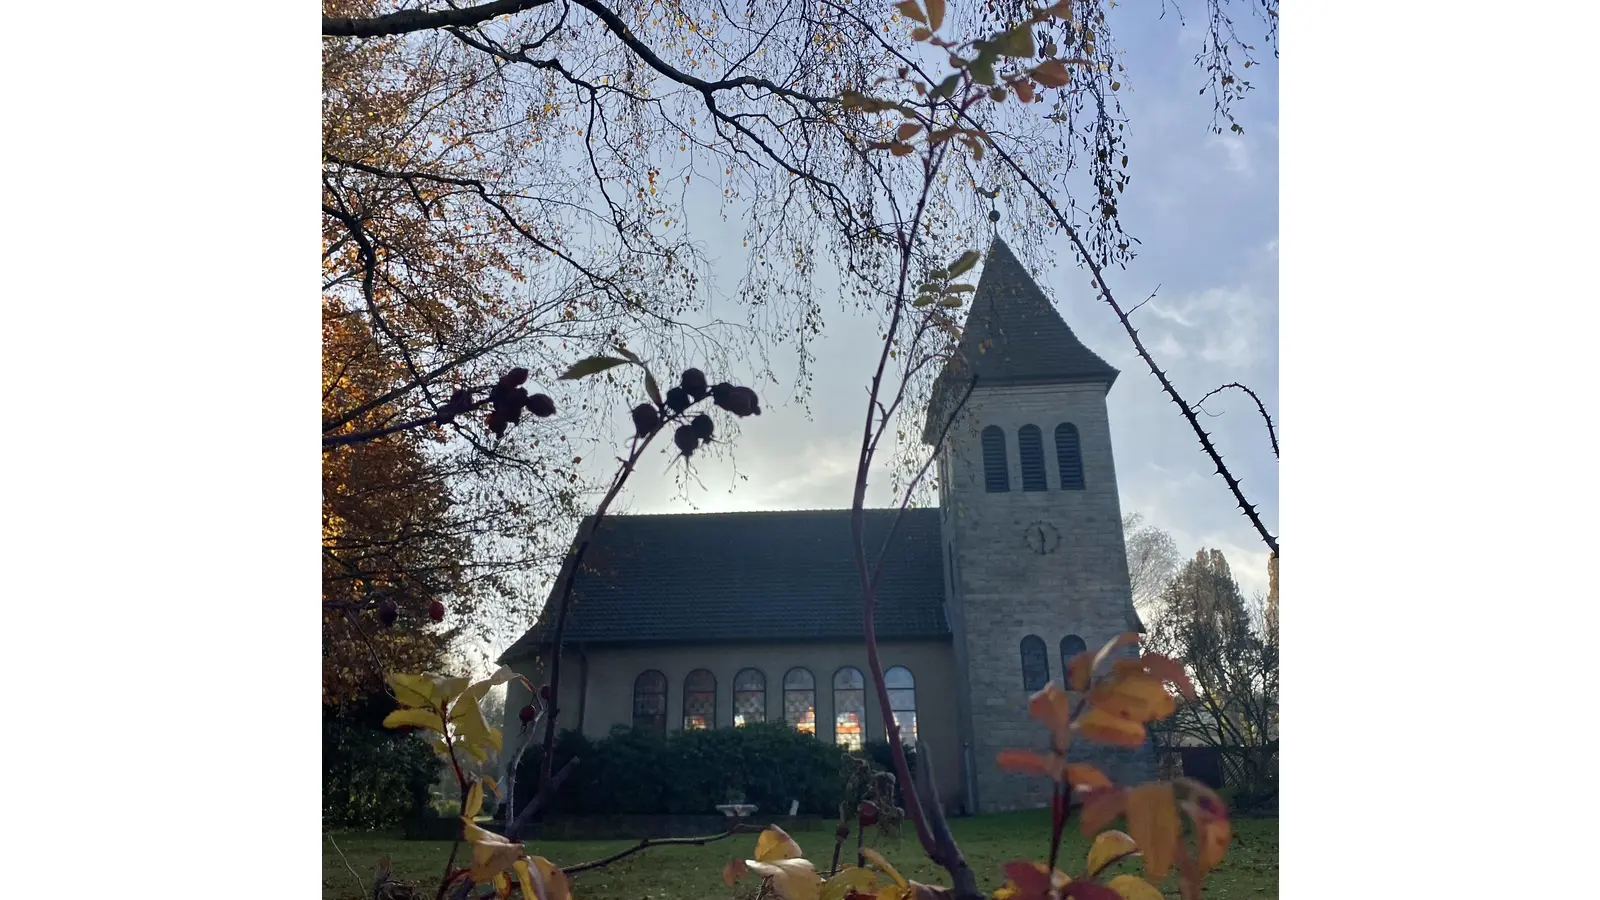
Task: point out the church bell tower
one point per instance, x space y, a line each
1035 565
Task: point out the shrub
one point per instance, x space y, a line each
691 772
372 777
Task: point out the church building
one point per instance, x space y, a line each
718 619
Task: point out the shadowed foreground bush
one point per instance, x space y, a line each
690 772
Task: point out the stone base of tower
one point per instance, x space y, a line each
1004 791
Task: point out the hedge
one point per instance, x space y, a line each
638 772
373 777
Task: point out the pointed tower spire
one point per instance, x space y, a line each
1013 335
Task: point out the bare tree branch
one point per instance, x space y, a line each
408 20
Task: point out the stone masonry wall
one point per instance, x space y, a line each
1005 590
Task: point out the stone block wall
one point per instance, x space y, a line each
1004 589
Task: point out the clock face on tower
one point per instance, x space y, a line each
1042 538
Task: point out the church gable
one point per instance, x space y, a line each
755 576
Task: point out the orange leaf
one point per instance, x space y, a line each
1154 826
920 34
1100 808
935 13
1051 73
908 131
1170 671
1136 696
1051 706
900 149
1109 728
1083 776
1212 836
1079 669
911 10
1024 90
1032 880
1027 762
733 871
1125 639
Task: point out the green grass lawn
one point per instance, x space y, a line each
694 873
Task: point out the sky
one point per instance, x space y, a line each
1205 208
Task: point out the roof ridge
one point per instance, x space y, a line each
759 512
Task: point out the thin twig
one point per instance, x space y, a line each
658 842
361 886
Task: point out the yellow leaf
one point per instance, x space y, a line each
530 891
774 844
850 878
792 879
935 14
1152 813
1132 887
474 804
1109 845
470 724
555 880
882 865
908 131
414 718
911 10
501 676
1079 668
489 860
412 690
502 886
1100 808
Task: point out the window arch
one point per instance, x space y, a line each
1030 447
849 708
800 700
699 701
749 697
650 701
996 480
903 702
1069 457
1071 646
1035 663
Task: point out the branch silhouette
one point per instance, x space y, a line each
1272 434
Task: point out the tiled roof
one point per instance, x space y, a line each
750 576
1013 335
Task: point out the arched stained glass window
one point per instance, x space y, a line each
699 701
749 697
849 708
903 702
650 701
800 700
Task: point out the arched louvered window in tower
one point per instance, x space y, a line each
849 708
1035 663
1030 446
1069 457
1071 646
699 701
650 701
800 700
996 480
749 697
903 702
